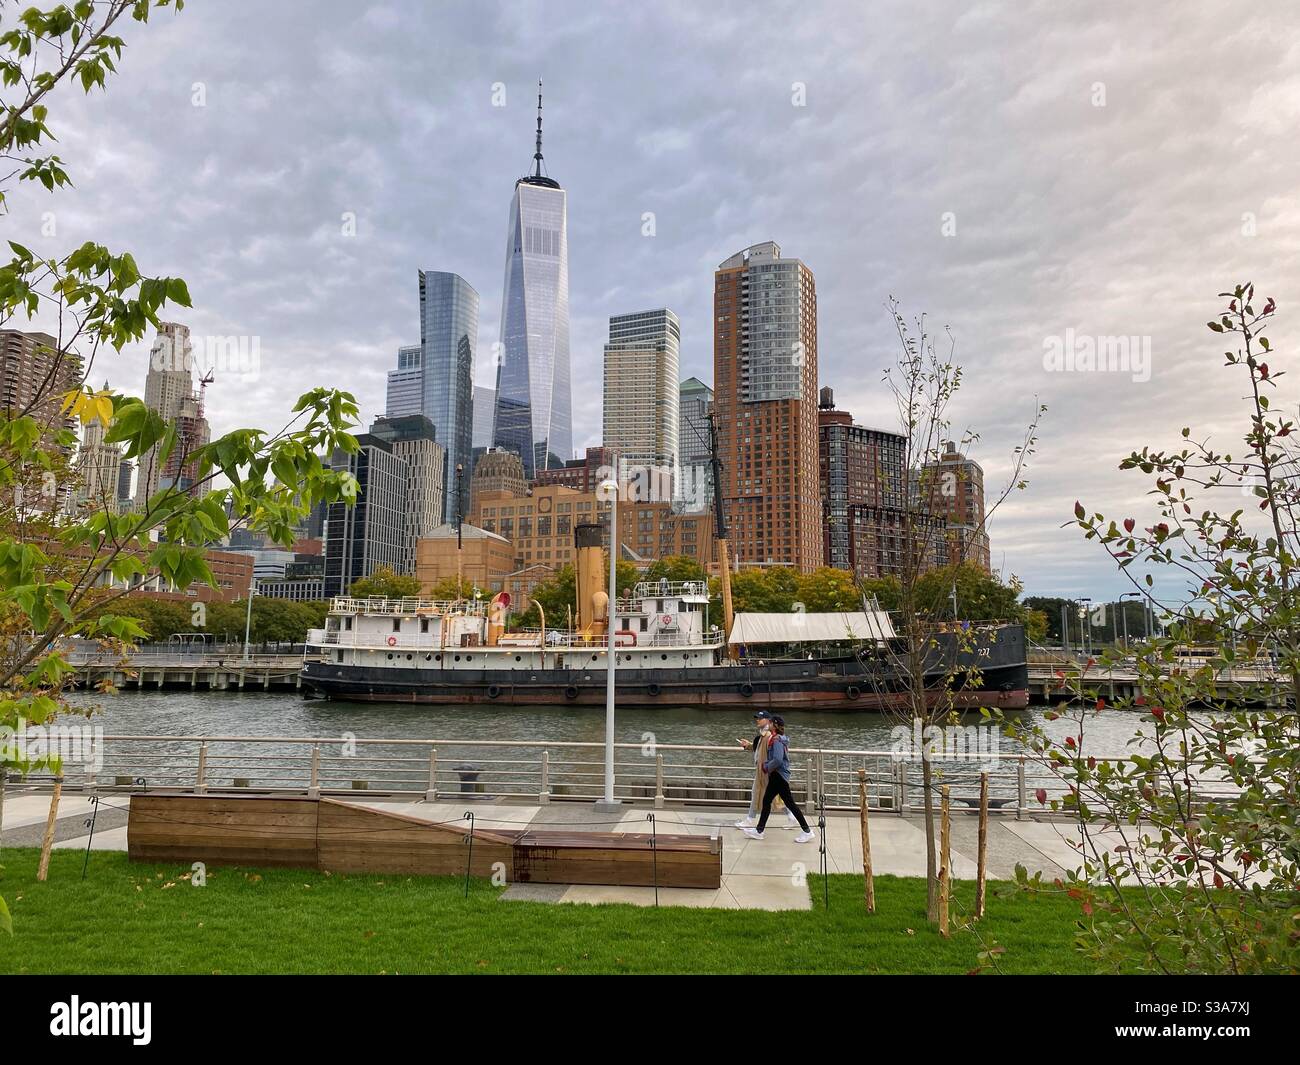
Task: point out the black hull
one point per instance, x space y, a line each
848 684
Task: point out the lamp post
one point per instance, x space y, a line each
609 490
1124 613
248 617
1085 627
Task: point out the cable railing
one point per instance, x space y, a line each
540 772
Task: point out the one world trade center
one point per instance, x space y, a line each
534 407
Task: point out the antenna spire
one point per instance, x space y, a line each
537 156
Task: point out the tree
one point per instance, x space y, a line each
675 568
923 384
829 589
60 571
1189 859
385 583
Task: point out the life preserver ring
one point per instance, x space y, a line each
667 619
571 692
654 689
392 641
852 693
746 689
494 691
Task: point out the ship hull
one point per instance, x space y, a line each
797 685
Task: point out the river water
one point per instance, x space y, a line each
185 713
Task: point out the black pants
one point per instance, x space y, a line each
778 785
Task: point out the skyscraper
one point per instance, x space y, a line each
436 377
642 389
952 487
534 416
765 399
169 390
694 482
97 468
35 376
412 440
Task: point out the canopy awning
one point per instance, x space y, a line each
811 628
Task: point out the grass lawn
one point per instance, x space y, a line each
128 918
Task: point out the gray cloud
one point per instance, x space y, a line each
1117 220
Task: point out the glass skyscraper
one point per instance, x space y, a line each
436 378
534 415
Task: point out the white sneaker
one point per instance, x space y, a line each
745 822
752 833
805 837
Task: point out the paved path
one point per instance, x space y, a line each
769 874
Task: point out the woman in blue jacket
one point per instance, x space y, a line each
777 770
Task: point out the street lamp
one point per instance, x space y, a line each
1124 614
608 490
1085 626
248 617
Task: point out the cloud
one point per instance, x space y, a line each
1100 163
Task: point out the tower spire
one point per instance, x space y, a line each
537 156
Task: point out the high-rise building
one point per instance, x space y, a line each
35 376
97 466
534 413
496 471
693 484
169 391
435 378
952 487
765 400
411 438
485 405
125 469
858 467
642 390
361 538
406 382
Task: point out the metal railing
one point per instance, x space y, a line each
536 771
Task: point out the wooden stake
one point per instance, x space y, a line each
982 858
868 877
48 841
945 860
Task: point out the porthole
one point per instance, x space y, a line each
438 658
458 658
593 658
519 658
664 657
390 656
428 658
409 657
469 658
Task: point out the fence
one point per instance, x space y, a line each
542 772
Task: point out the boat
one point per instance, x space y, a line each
666 651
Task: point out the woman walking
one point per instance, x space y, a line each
777 770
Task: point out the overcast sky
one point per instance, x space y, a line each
1013 170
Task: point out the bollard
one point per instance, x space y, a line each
469 774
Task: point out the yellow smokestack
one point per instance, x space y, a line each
593 600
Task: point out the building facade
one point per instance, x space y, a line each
411 439
952 487
694 481
765 399
169 392
372 533
484 557
98 467
534 405
35 376
584 474
642 392
497 471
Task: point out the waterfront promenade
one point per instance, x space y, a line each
770 874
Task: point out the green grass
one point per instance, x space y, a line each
135 918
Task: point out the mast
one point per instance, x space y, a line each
720 533
537 156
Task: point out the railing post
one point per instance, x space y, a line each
814 772
1021 796
545 796
659 781
201 779
900 770
313 789
431 795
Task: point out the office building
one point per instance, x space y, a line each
642 390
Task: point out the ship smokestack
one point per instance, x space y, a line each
593 600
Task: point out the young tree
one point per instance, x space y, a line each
63 573
923 384
1188 848
386 583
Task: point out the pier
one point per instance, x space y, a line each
196 672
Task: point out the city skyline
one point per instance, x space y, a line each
1049 235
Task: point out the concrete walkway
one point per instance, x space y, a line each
769 874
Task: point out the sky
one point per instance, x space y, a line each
1026 175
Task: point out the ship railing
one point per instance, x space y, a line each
408 606
535 772
669 589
